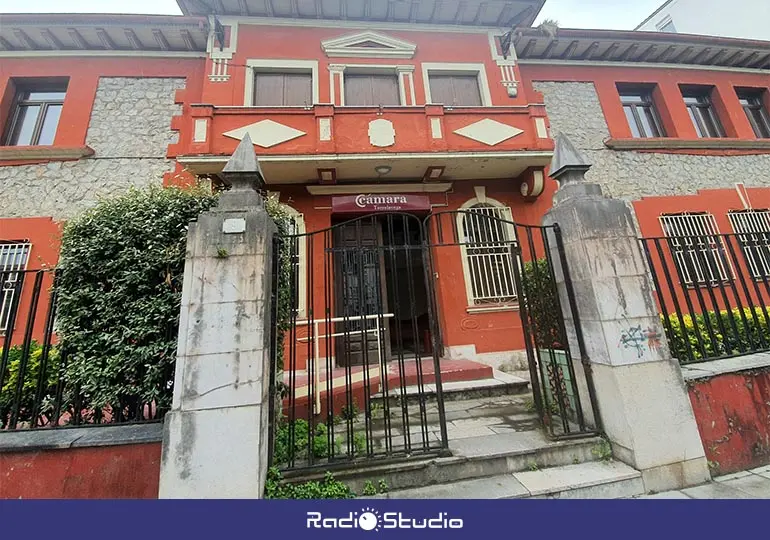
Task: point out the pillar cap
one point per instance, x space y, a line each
242 170
566 159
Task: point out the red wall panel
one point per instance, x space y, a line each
105 472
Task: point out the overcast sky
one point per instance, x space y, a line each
617 14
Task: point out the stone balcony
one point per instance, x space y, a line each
301 145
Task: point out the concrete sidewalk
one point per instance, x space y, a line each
753 484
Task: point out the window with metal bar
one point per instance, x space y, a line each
702 113
640 112
753 105
752 228
487 245
13 259
698 250
35 114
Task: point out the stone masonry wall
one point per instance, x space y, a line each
574 109
129 132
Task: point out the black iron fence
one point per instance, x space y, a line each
364 323
713 292
36 387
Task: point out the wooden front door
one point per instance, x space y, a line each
359 292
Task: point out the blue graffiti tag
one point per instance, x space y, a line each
640 340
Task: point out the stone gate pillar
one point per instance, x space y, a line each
215 440
641 397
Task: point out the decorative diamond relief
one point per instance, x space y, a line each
266 133
489 132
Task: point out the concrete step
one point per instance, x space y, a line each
499 384
473 457
591 480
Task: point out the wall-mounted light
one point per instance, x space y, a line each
433 174
382 170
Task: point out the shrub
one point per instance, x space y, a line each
283 445
752 331
31 379
542 303
328 488
120 289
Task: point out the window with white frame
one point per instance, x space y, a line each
456 84
486 242
298 247
698 250
281 83
752 228
13 259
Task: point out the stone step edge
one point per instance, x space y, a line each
458 394
518 490
357 474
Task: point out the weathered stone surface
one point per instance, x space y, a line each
574 109
129 132
132 116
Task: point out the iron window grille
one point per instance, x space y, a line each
698 250
756 112
35 115
702 114
752 227
487 244
13 260
641 114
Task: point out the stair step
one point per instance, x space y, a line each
500 384
591 480
473 457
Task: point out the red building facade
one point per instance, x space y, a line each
421 108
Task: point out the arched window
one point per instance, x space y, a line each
299 257
487 242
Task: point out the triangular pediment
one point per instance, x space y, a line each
368 45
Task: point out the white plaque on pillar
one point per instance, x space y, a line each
234 226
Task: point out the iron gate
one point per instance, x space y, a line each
358 316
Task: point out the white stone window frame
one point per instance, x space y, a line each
401 71
302 262
255 65
8 286
442 68
474 304
752 229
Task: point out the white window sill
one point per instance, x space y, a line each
492 308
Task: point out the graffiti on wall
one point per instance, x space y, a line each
641 340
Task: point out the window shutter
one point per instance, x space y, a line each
457 90
283 89
372 90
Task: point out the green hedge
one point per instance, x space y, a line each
29 387
751 330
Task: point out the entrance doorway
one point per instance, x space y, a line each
381 296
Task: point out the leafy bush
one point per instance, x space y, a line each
753 330
31 379
120 289
328 488
543 304
283 444
282 219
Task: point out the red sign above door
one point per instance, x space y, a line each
367 204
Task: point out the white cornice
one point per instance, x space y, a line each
390 47
357 25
